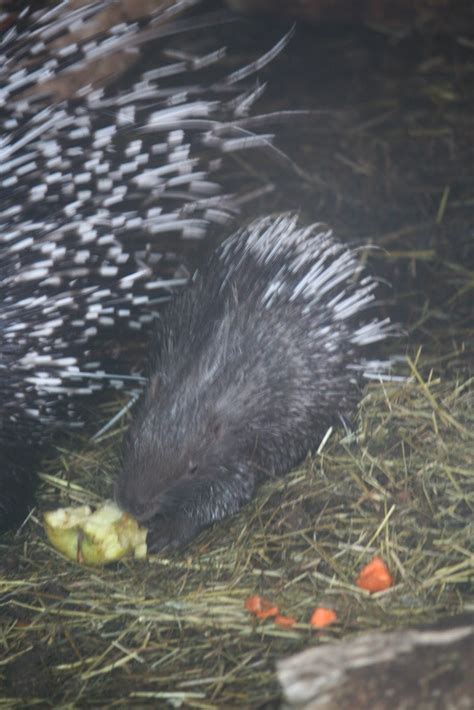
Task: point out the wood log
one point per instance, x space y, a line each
425 669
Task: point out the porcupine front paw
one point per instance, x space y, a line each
188 509
171 532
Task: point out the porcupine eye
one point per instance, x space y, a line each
217 429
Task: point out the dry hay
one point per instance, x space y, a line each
175 627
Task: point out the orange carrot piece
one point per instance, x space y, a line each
322 617
375 577
267 609
253 603
260 606
285 621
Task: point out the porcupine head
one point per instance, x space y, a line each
250 366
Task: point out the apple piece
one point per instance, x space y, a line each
95 537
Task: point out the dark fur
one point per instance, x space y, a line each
238 390
17 483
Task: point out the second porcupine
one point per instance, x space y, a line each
118 123
251 365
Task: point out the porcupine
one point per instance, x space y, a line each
252 363
103 186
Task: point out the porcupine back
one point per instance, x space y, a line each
265 350
99 198
103 187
